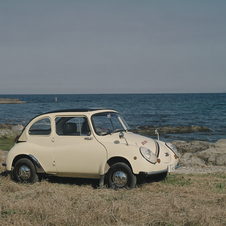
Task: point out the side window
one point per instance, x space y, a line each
106 123
41 127
72 126
102 122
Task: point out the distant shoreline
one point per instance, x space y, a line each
11 101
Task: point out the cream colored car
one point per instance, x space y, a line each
88 143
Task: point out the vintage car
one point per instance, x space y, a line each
88 143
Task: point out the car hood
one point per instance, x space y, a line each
131 139
140 141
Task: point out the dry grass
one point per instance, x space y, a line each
179 200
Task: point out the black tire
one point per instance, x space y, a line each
24 171
121 176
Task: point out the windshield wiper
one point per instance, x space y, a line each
119 130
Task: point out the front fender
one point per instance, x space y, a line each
131 154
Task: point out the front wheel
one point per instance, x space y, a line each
121 176
24 171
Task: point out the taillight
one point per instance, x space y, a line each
16 139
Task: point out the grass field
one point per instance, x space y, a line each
179 200
7 143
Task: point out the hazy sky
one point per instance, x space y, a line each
112 46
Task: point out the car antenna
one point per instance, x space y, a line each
156 132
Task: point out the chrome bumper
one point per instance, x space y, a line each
158 172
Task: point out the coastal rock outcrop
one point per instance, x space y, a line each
10 130
191 146
150 131
200 153
11 101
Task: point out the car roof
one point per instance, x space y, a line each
78 110
71 110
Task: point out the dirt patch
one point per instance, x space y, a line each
3 153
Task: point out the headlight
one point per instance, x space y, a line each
173 148
148 155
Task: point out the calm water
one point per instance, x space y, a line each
137 109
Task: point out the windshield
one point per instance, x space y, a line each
108 122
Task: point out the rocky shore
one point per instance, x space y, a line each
10 130
11 101
195 156
150 131
199 153
201 157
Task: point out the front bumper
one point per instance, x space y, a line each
158 172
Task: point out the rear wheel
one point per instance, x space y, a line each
24 171
121 176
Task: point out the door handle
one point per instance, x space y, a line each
88 138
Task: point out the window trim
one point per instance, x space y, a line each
39 119
80 125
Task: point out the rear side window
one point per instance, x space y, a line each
41 127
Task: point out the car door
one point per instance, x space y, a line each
76 151
40 143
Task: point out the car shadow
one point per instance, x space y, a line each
152 178
94 183
5 173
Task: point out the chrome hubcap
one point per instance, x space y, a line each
119 178
24 172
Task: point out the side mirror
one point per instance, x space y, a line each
121 135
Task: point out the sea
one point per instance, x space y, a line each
155 110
